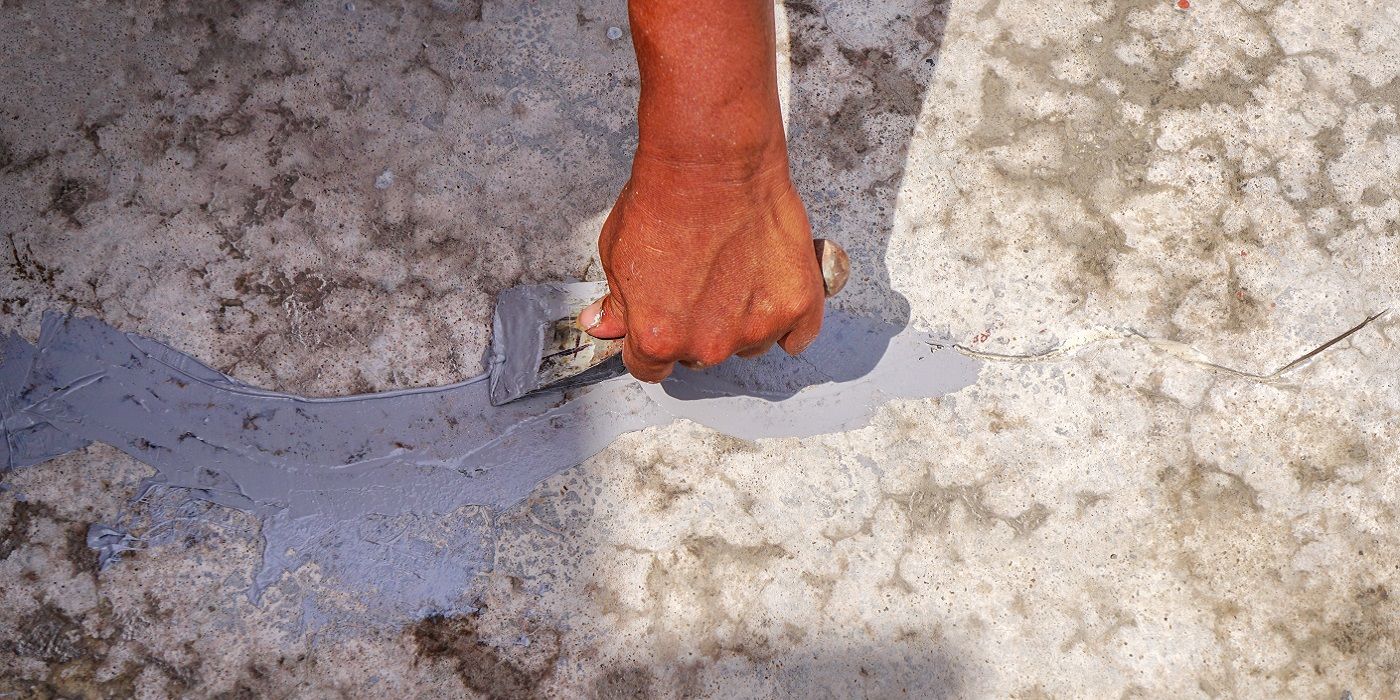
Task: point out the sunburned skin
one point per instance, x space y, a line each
321 473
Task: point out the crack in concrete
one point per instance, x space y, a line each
1181 351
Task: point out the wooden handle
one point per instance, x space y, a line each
836 267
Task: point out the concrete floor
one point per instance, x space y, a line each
325 198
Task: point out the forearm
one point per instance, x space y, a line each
709 85
708 251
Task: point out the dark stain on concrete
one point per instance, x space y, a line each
77 662
16 532
68 195
305 288
1357 628
619 683
931 506
271 203
1208 492
49 635
18 527
457 641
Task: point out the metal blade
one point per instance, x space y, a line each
537 346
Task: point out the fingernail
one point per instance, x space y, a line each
592 316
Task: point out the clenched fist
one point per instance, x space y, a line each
705 261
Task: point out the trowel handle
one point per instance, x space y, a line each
836 267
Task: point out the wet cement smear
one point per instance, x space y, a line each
351 484
524 318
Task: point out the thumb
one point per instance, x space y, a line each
604 318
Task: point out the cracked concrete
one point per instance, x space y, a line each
1181 351
1005 173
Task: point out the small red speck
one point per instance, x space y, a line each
1244 253
1239 294
1184 4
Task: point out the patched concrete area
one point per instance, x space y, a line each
324 198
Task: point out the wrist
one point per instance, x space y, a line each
710 195
719 165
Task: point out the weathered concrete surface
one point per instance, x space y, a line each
1009 173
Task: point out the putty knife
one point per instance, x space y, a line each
536 344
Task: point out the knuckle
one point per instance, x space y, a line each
644 369
657 346
710 351
762 337
800 340
612 304
648 377
797 306
796 347
712 355
757 350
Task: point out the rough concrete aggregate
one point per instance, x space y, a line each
1005 173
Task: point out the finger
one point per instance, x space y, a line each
604 318
644 367
755 350
804 332
715 359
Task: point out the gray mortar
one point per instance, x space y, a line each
333 478
524 315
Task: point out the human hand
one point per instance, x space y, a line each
705 261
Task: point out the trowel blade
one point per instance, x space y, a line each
536 344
